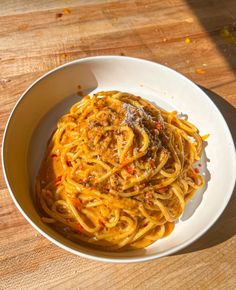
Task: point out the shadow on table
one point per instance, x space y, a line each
218 18
224 228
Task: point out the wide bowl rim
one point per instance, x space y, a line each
108 259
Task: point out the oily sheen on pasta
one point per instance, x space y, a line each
118 172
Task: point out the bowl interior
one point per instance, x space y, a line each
36 115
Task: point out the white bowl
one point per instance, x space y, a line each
35 116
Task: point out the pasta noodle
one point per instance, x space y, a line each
118 172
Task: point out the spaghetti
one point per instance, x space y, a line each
118 171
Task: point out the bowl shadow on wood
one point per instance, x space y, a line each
225 227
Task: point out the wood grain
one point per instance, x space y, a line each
33 40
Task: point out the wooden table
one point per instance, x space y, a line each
194 37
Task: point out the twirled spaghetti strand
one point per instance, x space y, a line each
118 171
